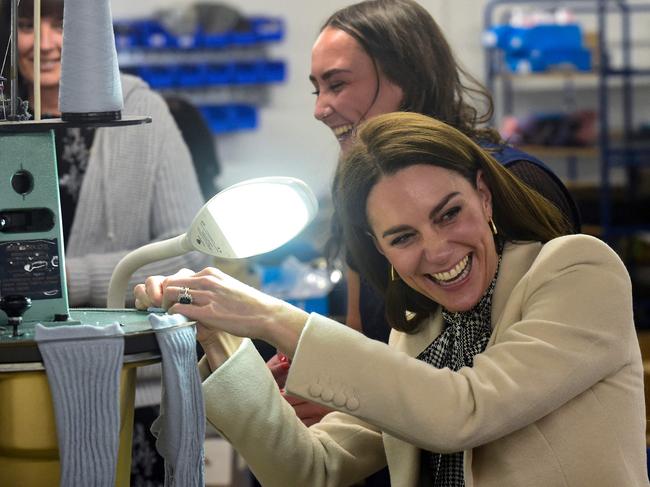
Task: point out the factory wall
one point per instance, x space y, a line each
288 140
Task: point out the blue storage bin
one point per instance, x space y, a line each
192 75
220 74
243 38
230 117
267 29
545 37
215 39
272 71
160 76
245 116
155 36
189 41
128 34
217 118
498 36
248 72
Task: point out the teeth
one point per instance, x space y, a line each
452 273
342 129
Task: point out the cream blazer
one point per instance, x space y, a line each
556 399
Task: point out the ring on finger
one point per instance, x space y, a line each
184 297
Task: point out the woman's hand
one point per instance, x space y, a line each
150 294
279 366
222 303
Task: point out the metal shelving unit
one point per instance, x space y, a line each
616 147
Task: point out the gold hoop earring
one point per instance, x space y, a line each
493 227
393 275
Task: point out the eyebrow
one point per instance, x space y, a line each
432 214
328 74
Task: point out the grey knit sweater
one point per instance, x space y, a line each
140 186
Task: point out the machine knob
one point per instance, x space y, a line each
15 306
22 182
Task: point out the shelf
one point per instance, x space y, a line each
557 74
549 151
552 80
136 57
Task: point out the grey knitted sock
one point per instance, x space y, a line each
180 428
83 364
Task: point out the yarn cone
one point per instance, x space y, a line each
90 80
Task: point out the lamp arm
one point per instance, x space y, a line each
139 257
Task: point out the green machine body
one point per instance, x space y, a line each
32 262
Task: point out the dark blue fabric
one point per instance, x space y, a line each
507 155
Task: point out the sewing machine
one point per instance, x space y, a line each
33 290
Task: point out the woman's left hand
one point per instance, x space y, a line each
222 303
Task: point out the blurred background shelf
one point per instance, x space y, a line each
583 58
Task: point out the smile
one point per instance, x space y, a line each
454 275
342 131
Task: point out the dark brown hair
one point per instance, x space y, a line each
388 143
407 45
409 48
49 8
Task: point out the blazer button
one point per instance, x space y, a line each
315 390
352 404
327 394
339 399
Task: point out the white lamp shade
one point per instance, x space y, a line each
246 219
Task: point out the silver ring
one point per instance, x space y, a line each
184 297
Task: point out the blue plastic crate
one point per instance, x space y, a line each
245 115
247 72
189 41
230 117
243 38
192 75
128 34
273 71
545 37
267 29
498 36
216 39
220 73
217 118
160 76
155 36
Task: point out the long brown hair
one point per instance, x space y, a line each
388 143
409 48
406 44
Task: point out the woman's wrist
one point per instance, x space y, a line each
284 327
215 355
219 347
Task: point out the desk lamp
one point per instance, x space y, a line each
246 219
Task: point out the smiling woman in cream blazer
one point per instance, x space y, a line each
550 395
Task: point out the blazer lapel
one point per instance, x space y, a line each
515 262
404 458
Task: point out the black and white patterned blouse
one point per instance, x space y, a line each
72 155
466 334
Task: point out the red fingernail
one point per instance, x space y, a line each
282 357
